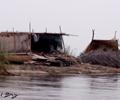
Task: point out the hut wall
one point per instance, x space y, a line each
14 43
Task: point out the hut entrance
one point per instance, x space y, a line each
46 42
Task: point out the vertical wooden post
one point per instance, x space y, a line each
115 35
29 27
14 42
46 30
30 37
13 29
93 33
60 29
62 38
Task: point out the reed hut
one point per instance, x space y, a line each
102 52
24 42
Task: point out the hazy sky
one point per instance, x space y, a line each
77 17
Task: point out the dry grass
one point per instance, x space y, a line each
18 58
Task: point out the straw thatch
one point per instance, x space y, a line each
98 57
103 45
102 52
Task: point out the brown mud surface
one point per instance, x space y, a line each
37 70
54 64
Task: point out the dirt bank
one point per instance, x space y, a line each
37 70
54 64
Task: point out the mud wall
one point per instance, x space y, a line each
14 43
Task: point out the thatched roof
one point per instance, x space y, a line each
102 45
102 52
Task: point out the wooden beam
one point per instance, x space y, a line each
93 33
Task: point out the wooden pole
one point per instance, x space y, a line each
29 27
60 29
13 29
93 33
115 35
14 42
46 30
62 38
30 37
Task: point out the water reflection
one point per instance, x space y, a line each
104 88
106 82
62 88
92 88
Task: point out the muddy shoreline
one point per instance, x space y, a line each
38 70
54 64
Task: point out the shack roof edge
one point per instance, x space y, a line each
48 33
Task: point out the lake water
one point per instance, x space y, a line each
60 88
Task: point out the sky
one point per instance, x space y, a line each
76 17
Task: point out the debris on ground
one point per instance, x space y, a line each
38 57
55 59
59 60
